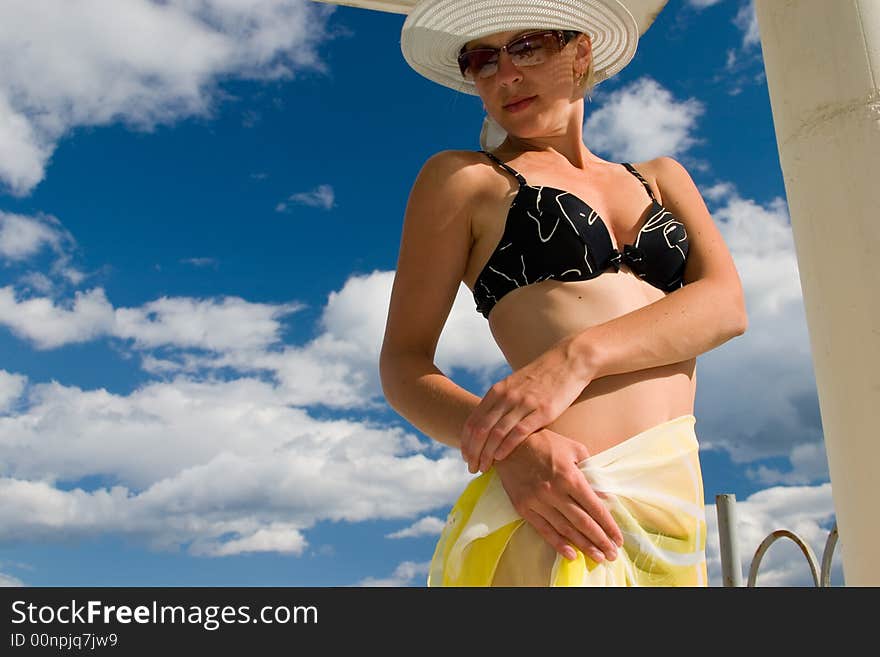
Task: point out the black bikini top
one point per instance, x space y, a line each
550 233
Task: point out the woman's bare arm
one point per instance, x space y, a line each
704 314
434 247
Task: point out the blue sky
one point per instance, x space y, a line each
200 210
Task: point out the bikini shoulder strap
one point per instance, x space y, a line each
509 169
633 171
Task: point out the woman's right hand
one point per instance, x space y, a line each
550 492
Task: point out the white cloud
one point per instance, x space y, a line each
71 274
407 573
201 262
337 368
809 463
223 467
357 314
762 244
95 62
759 389
428 526
9 580
641 121
320 197
24 152
747 20
340 367
717 192
228 323
36 282
48 325
466 343
22 237
11 387
216 325
744 64
25 238
277 537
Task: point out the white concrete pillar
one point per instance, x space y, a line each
822 59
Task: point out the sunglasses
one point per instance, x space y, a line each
525 50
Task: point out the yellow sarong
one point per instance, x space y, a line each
655 494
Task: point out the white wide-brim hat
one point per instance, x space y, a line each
435 30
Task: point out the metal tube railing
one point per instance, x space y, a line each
731 569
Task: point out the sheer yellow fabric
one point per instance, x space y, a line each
655 489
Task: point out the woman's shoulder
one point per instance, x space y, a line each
461 163
462 173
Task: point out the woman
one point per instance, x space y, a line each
601 283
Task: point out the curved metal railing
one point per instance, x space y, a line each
827 553
730 564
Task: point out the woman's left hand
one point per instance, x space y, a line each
524 402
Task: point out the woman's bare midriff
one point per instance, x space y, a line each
531 319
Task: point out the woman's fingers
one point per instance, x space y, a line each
560 534
584 510
518 432
581 530
507 435
505 416
575 511
549 534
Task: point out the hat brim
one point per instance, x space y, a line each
435 30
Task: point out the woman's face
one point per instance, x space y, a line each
545 89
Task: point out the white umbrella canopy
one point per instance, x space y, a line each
393 6
643 11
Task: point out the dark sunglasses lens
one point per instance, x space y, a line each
527 42
474 61
527 51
